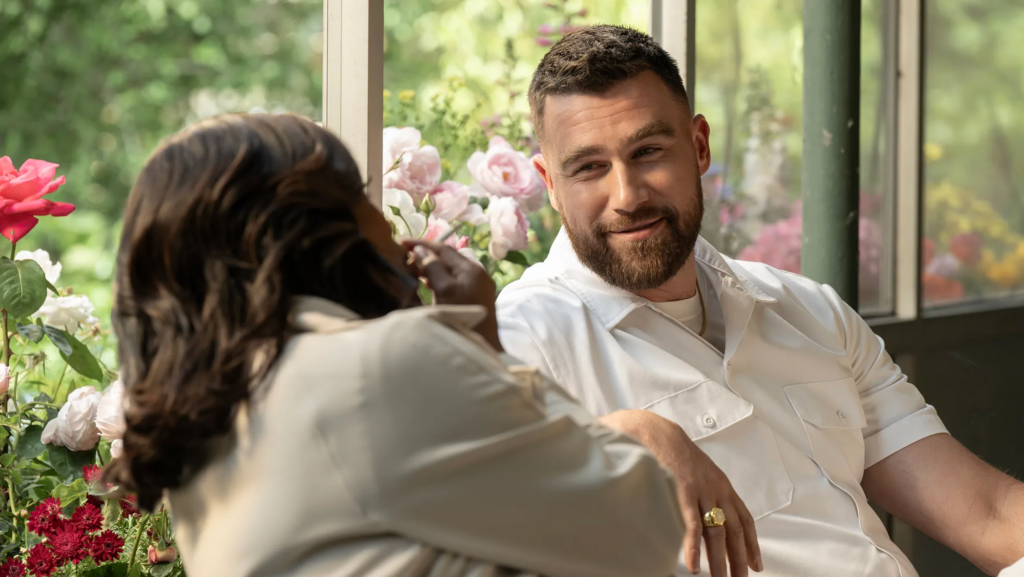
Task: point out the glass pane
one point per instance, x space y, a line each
458 71
973 141
95 88
749 86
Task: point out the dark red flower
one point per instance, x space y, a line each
40 561
88 518
91 473
13 567
95 501
69 544
45 517
129 506
106 546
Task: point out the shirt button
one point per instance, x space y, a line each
709 421
841 415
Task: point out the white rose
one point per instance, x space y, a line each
110 413
408 222
42 258
509 227
74 426
117 449
68 312
397 142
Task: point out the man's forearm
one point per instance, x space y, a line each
1003 541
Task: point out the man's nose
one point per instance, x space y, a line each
628 192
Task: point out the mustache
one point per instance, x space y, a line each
639 215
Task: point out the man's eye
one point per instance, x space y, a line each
644 151
586 168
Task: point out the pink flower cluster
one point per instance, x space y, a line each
501 174
778 245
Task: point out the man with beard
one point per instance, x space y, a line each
772 402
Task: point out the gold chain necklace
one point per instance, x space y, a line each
703 311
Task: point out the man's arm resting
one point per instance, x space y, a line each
945 491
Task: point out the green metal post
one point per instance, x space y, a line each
831 144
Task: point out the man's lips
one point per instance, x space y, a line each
639 231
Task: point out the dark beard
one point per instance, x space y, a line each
640 265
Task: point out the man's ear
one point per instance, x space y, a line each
542 168
701 142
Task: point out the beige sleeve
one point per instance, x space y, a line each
464 458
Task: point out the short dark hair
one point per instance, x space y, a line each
593 59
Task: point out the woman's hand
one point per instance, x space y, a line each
456 280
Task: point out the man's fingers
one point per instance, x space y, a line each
451 257
735 542
718 554
694 532
749 536
437 272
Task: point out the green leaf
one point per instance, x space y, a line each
81 358
111 512
69 463
162 570
3 436
50 286
70 494
6 460
29 445
58 339
395 211
33 333
22 287
516 257
136 571
8 548
108 570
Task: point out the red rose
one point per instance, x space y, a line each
40 561
45 518
69 544
967 248
21 196
106 546
88 518
13 567
129 506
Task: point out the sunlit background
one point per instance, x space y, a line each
94 86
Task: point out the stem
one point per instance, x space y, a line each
14 246
138 539
7 348
10 497
56 390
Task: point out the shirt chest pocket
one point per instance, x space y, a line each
833 418
724 426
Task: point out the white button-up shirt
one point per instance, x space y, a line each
801 401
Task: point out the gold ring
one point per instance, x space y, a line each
714 518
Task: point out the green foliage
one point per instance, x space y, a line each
22 287
81 358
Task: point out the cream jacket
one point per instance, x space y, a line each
802 400
406 446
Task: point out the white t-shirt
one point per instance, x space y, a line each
688 312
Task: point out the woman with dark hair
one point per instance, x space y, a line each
302 415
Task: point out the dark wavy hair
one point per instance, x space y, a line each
228 221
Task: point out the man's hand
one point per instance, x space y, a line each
701 486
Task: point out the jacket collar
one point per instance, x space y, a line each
319 315
611 304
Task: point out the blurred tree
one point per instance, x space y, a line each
95 85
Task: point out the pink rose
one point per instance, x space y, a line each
452 200
437 227
21 196
506 172
509 227
407 165
5 378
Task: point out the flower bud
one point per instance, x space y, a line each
428 205
5 378
155 556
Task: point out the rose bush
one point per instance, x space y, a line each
61 416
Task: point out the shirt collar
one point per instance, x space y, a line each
612 304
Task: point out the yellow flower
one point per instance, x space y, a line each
387 95
932 152
406 96
1005 274
445 164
